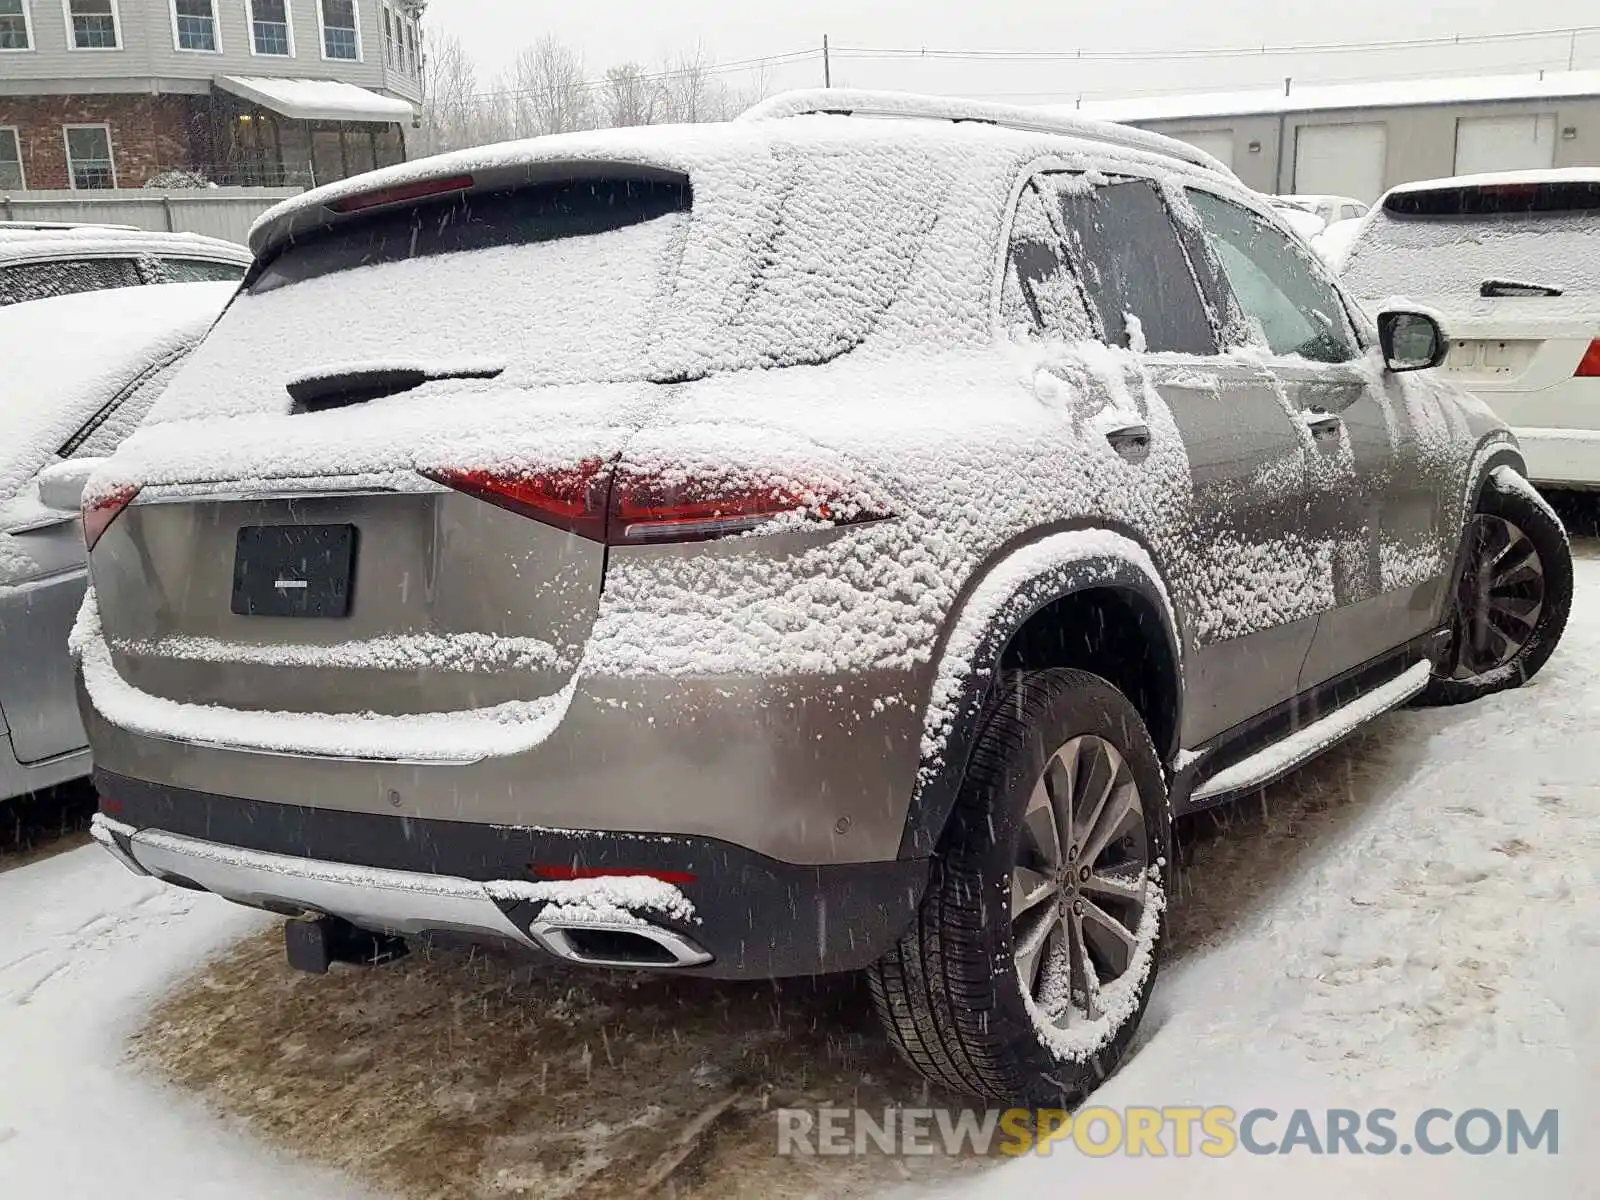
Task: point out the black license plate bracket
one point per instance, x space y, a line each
293 570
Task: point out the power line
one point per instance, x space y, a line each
1200 53
1070 94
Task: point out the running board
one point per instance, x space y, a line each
1305 743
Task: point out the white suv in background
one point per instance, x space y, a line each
1512 264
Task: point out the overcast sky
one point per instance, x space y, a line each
609 31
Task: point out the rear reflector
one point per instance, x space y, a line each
1589 368
102 510
554 873
401 193
630 509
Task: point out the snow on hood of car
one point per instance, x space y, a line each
65 357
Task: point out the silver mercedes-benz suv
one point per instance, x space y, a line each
841 538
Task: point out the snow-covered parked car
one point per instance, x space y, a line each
1512 262
1326 209
45 260
809 543
79 372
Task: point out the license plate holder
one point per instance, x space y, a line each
293 570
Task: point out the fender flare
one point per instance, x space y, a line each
1012 591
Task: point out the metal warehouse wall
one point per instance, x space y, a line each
1421 142
225 213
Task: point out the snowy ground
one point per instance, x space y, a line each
1411 922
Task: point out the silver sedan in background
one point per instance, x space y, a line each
77 373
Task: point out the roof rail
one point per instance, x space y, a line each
851 102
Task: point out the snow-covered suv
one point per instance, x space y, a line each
841 538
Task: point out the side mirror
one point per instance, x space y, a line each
61 486
1411 341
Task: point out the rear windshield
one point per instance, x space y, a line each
1498 200
478 221
1450 242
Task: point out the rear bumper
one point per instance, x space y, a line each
1569 457
754 917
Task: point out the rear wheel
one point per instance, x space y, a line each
1513 597
1034 952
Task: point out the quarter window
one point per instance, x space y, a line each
89 161
196 24
94 24
340 38
1125 251
1040 293
199 270
1299 312
269 27
11 161
15 31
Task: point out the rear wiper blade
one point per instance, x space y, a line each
1513 287
341 389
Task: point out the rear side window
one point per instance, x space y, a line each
1298 311
67 277
200 270
479 221
1122 245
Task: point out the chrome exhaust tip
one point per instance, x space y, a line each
618 944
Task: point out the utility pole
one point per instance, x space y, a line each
827 66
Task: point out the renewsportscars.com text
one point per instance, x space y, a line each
1170 1131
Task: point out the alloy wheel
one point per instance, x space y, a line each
1499 599
1081 881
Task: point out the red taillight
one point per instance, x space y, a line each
99 512
628 508
658 508
399 194
1589 368
572 498
109 806
567 873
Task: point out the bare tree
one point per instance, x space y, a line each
630 96
453 115
689 90
549 93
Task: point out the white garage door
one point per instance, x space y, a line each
1505 144
1216 142
1340 160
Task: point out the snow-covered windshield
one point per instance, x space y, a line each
1451 241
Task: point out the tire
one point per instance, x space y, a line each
950 994
1512 601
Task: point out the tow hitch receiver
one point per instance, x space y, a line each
314 943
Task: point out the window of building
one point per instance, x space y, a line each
341 37
269 27
16 29
411 48
93 25
194 25
11 160
89 161
391 52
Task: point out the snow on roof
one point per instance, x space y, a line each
16 244
316 99
1332 97
717 154
1497 178
65 357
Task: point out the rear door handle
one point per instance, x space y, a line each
1130 441
1322 423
